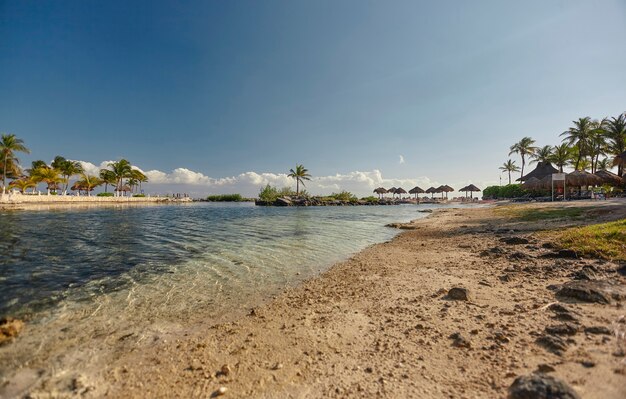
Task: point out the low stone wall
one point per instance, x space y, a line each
64 199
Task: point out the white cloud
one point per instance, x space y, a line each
197 184
401 159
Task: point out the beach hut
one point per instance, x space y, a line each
416 190
431 191
542 170
400 191
471 189
380 191
123 190
392 190
444 189
581 178
532 184
610 178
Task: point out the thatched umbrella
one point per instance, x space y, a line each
380 191
392 190
444 189
431 191
416 190
582 178
471 189
542 170
609 177
400 191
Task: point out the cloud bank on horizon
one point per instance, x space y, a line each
197 184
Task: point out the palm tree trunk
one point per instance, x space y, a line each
509 177
297 187
4 174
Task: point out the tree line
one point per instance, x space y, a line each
120 175
588 145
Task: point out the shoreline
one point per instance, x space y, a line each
22 202
379 324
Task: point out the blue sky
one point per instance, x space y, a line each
211 90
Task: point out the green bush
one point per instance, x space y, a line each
139 195
370 199
508 191
268 193
225 198
104 194
344 196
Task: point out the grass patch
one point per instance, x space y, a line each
605 240
535 214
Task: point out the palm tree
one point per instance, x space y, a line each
108 177
67 168
138 177
524 147
300 175
88 182
23 184
561 154
603 164
543 154
9 145
579 136
121 170
47 175
615 134
509 166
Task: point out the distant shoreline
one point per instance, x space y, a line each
19 201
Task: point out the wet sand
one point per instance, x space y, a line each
381 324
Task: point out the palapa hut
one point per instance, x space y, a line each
124 189
400 191
444 189
431 191
533 183
380 191
392 190
471 189
416 190
609 177
580 178
542 170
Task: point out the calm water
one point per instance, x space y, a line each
83 278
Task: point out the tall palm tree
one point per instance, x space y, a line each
561 155
543 154
579 136
597 142
138 177
509 166
604 164
615 134
9 145
524 148
67 168
121 169
108 177
299 175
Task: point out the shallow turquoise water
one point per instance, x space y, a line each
50 257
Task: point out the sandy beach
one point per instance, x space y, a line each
383 324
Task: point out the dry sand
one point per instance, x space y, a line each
380 325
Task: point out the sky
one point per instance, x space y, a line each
226 96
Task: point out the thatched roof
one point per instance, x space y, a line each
582 178
471 187
542 170
431 190
391 190
609 177
532 183
416 190
380 190
444 189
448 188
400 190
124 188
